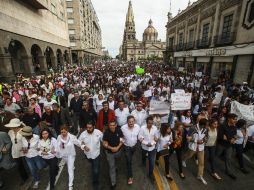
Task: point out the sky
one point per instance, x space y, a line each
112 15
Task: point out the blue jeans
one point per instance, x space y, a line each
95 171
151 160
129 151
35 164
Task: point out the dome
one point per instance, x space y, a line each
150 29
150 33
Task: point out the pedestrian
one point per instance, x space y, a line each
91 144
112 142
122 112
226 139
75 108
66 150
15 126
148 137
197 137
240 143
177 146
32 119
35 163
47 150
210 146
140 114
87 114
105 116
130 133
163 145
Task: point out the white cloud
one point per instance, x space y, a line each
112 14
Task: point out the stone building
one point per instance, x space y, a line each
215 37
84 31
149 47
33 36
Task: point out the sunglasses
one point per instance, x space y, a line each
63 146
15 140
28 147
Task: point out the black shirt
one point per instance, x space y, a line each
113 139
86 116
76 105
31 120
47 117
229 132
105 118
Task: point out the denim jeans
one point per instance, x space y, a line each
95 171
129 151
151 160
227 152
53 170
21 168
35 164
239 154
210 150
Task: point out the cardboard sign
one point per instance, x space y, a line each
181 91
180 101
148 93
217 98
199 74
181 69
159 107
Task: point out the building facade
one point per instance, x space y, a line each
132 49
215 37
33 37
84 31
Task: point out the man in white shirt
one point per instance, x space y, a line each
111 102
139 114
49 102
148 137
197 137
121 114
91 144
130 133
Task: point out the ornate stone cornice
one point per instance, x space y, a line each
225 4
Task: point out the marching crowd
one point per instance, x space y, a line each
104 110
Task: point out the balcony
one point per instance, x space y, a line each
190 45
180 47
203 43
223 40
38 4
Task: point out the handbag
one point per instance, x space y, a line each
164 152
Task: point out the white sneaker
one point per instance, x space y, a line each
184 164
71 188
36 185
196 161
202 180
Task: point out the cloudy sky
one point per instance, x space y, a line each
112 14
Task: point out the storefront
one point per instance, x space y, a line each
222 66
189 64
202 64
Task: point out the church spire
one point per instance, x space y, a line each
130 15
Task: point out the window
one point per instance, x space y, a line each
171 42
180 40
72 44
205 33
191 37
251 15
71 31
227 26
70 21
69 10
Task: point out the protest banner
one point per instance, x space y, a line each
179 91
148 93
159 107
199 74
180 101
217 98
245 112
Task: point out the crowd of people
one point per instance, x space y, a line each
103 110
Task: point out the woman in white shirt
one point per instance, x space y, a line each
15 126
29 148
47 150
210 146
241 140
165 139
66 151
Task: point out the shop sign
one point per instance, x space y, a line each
216 52
187 53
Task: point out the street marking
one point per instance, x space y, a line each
172 184
61 166
158 179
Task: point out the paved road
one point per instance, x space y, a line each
243 182
83 175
